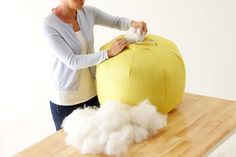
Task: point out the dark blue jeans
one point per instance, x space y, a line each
60 112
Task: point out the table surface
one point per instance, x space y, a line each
197 126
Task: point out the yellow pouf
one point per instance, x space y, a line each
152 69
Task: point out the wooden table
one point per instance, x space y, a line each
194 128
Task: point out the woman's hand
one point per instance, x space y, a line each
117 47
140 25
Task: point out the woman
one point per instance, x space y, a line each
69 30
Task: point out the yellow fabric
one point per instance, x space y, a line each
151 69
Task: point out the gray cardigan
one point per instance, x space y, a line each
65 48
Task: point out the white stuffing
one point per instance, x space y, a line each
134 35
112 128
150 119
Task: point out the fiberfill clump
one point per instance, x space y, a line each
112 128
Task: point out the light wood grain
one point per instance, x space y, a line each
194 128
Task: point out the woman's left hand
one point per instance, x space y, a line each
140 25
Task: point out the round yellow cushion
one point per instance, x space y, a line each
152 69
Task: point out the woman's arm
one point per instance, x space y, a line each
105 19
121 23
64 53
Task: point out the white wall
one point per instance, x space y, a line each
204 31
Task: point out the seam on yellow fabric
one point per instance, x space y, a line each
164 74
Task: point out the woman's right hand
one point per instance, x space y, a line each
117 47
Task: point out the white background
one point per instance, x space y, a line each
203 30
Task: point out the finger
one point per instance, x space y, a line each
119 40
123 39
144 30
125 45
142 26
123 42
121 47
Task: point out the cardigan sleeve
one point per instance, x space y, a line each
64 53
105 19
